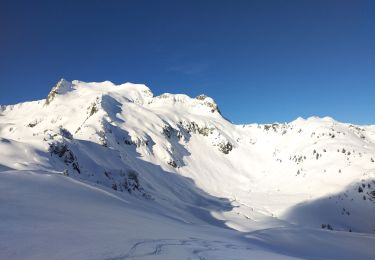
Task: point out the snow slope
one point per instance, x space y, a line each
98 170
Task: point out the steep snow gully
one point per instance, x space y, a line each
105 171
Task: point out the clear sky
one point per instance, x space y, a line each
262 61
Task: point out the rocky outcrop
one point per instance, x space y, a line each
209 102
61 150
61 87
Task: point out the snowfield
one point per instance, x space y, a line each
104 171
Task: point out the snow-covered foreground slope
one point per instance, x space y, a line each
48 216
99 171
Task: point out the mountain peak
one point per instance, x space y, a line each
61 87
210 102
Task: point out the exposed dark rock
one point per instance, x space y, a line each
225 147
209 103
65 133
60 88
172 163
61 150
32 123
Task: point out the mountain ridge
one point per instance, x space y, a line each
180 154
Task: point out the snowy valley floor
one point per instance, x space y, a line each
45 215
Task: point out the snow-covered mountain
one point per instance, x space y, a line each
98 170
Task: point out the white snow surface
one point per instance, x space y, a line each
105 171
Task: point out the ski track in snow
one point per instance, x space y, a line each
194 246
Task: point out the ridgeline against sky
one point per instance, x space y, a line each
263 61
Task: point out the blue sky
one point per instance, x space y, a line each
262 61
